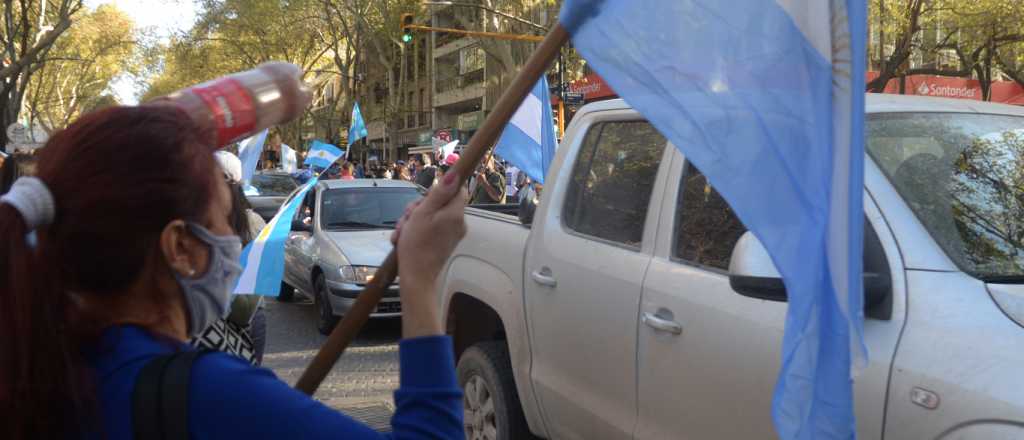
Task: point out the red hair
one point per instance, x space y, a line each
118 176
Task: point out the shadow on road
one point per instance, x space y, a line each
292 327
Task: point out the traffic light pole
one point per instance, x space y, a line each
495 35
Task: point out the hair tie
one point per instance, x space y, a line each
30 196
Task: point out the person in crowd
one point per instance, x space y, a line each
403 172
332 172
490 185
360 170
244 332
16 165
135 254
446 165
426 174
511 187
348 171
303 175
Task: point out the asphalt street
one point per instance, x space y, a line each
362 381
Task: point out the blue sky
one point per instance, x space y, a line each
164 17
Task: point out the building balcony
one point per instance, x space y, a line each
458 88
451 43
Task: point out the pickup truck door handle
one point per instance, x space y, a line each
657 323
543 277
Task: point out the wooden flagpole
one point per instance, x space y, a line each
479 144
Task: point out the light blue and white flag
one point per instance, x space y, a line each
766 98
322 154
263 259
356 128
528 140
249 151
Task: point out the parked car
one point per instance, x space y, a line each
268 190
634 304
340 234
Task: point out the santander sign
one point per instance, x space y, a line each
948 91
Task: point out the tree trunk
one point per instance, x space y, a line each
904 45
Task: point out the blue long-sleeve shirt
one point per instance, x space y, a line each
230 399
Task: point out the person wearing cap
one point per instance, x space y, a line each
247 320
446 164
490 185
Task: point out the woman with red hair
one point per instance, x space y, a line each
120 249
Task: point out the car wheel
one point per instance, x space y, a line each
287 293
327 320
490 399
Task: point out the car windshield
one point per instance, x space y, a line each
963 175
271 185
365 208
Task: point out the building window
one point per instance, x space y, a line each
410 116
421 59
424 114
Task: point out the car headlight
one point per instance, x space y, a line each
357 274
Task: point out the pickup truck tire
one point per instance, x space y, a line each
287 293
492 408
326 319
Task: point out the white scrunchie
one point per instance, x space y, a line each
33 200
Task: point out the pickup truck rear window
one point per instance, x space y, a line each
611 183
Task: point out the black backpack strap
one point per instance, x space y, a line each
160 397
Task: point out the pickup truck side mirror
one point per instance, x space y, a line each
301 226
752 273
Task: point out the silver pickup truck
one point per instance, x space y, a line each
634 304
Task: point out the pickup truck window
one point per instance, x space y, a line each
611 183
963 175
706 227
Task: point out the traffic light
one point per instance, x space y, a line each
406 31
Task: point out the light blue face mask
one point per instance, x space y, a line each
208 297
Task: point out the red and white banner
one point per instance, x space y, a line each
1007 92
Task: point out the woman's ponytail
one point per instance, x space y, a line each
38 371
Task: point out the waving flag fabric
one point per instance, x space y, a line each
263 258
766 97
249 151
529 138
357 128
322 154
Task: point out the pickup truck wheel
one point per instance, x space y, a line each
490 399
327 320
287 293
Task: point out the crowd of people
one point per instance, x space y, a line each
495 182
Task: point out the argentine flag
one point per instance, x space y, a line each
249 151
263 259
528 141
766 98
322 154
356 128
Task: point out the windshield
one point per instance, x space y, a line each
365 208
271 185
963 175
